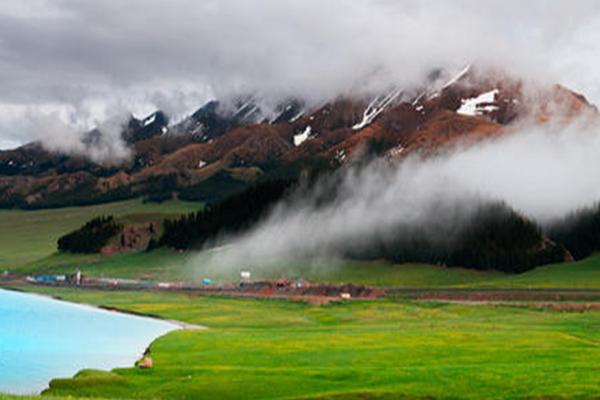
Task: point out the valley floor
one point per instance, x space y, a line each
441 333
379 349
28 247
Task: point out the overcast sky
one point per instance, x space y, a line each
78 62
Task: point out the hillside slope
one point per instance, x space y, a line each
223 147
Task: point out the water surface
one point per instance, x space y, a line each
42 338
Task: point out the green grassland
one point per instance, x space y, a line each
266 349
15 397
270 349
584 274
28 246
26 236
162 264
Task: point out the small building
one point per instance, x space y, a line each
46 278
245 277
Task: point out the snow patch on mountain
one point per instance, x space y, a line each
249 111
150 120
302 137
297 116
376 107
340 156
437 89
281 113
479 105
396 151
457 77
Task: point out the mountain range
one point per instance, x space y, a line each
225 146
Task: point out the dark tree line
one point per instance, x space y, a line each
216 188
579 232
493 237
91 237
234 214
499 238
160 188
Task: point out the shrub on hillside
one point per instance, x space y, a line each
91 237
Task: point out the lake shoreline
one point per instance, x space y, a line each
122 359
182 325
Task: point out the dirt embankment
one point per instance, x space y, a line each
131 238
558 299
315 293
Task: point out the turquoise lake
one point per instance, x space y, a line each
42 338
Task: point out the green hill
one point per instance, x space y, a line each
28 246
26 236
584 274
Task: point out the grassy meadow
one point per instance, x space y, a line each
266 349
165 265
28 246
584 274
26 236
272 349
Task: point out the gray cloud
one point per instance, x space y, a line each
139 55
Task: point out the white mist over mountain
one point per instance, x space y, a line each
141 55
544 173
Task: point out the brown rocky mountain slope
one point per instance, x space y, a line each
216 150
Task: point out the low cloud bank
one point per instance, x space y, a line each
103 145
85 57
543 173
